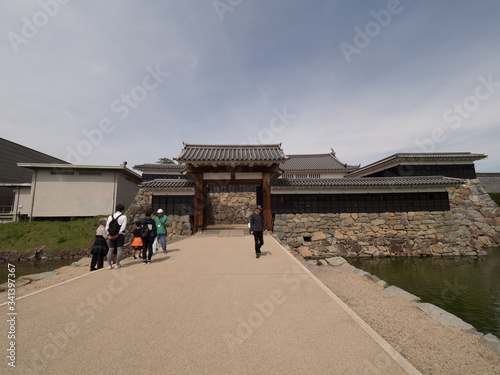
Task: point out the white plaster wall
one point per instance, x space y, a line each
73 195
24 200
127 189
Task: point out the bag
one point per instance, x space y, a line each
114 227
146 230
164 225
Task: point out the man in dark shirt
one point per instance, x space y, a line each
257 227
148 235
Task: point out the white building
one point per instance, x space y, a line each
66 190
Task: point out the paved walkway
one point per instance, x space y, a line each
207 307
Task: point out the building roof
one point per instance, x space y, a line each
490 181
168 184
417 158
159 167
368 182
15 184
121 168
224 154
316 162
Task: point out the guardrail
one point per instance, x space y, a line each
5 209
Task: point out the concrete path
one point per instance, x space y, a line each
207 307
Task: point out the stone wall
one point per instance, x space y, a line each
229 208
472 223
180 225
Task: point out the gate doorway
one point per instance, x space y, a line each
231 165
230 204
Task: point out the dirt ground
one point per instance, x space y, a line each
430 346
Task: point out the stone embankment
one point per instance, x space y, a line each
41 254
472 224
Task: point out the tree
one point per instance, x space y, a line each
165 161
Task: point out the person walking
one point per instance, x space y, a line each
162 223
257 228
100 246
115 227
148 235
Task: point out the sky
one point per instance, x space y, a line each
102 82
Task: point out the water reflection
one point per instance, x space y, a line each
466 287
28 267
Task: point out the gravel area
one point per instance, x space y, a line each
429 345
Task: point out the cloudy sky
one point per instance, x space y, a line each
100 82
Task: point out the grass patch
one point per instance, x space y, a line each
54 235
495 197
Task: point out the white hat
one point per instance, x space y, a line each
160 211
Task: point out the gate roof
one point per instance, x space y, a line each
229 154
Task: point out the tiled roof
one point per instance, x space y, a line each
328 183
439 155
159 167
316 162
490 181
168 184
368 182
418 158
231 153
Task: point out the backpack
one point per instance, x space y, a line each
114 227
146 230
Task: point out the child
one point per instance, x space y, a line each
100 247
137 244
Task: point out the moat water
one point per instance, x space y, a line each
466 287
28 267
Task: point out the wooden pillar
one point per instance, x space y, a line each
199 202
266 199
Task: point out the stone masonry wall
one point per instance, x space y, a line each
180 225
229 208
472 223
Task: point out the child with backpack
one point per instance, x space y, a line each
148 235
137 244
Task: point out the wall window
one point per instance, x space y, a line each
244 188
62 173
456 171
174 204
151 177
356 203
90 173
